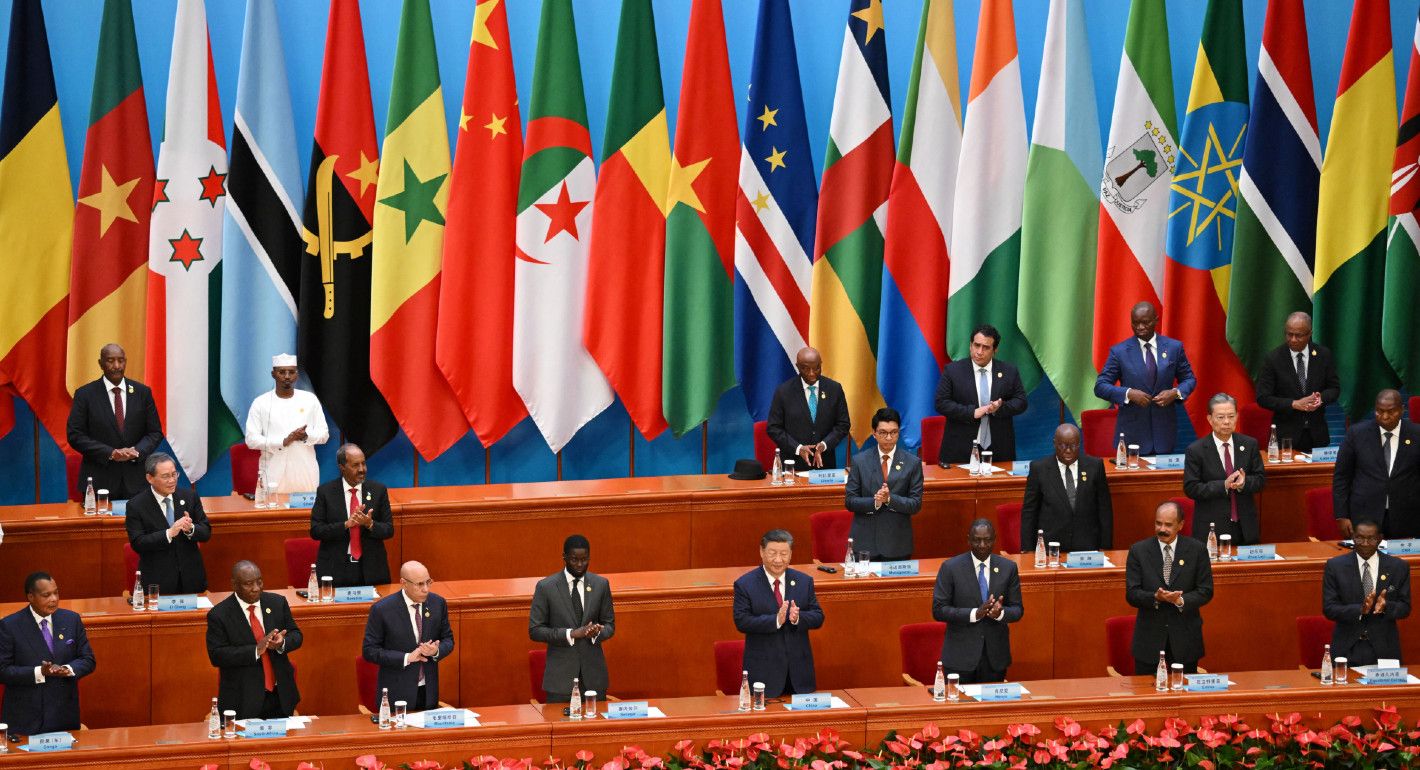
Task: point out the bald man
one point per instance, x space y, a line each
1067 496
809 415
407 634
250 635
114 424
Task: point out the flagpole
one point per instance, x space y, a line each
631 440
487 465
415 453
704 447
35 426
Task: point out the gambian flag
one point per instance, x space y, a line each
1400 327
912 328
108 283
857 175
1353 206
36 225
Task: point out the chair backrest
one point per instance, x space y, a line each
367 675
1097 431
1119 639
300 555
245 462
1313 634
932 429
71 473
1185 504
1414 408
1321 511
729 663
537 665
1008 527
829 532
763 447
130 563
921 645
1255 421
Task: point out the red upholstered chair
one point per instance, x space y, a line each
1313 634
1097 429
932 429
829 530
1255 421
1118 637
1321 515
366 675
71 475
921 645
300 555
729 663
763 447
1185 504
130 563
245 462
1414 408
1008 528
537 665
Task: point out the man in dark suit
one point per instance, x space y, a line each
1365 594
775 608
979 397
884 492
352 520
250 635
165 524
572 614
1168 578
114 425
1147 375
407 634
809 415
1222 474
1067 497
43 653
1297 381
1378 472
977 594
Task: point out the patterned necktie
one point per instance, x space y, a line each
268 674
778 596
983 397
1302 371
356 546
1151 368
1168 564
885 468
577 608
1070 484
168 510
1228 469
1368 584
46 633
981 582
118 408
813 402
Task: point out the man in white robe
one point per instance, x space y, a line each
285 425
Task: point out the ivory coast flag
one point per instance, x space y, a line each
412 192
1352 208
852 206
1400 321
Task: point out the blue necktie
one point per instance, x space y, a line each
983 397
168 510
813 402
981 581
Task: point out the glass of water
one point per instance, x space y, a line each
101 501
1133 457
151 596
865 561
229 724
1288 453
401 715
1052 554
1339 670
953 687
1176 677
327 588
1225 548
758 696
788 473
589 704
986 462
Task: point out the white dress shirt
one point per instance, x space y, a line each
122 396
260 619
1232 450
163 509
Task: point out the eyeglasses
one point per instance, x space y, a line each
420 584
886 433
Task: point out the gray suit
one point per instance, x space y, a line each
551 618
885 533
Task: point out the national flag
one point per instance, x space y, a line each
36 226
1203 207
912 328
1138 168
108 283
333 311
474 342
698 359
560 383
774 216
261 236
1060 217
1400 322
1274 241
986 231
848 250
1352 210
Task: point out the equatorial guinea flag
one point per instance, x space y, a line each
1400 321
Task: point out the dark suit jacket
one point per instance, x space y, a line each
957 593
1277 388
1341 600
1203 479
552 616
1360 486
1155 624
1088 525
389 634
1153 428
29 708
774 655
789 423
231 647
886 533
957 400
328 515
93 432
176 567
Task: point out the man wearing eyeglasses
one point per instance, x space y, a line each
1223 472
884 492
165 525
407 634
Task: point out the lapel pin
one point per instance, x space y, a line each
821 395
426 613
1163 355
182 502
589 589
1383 577
1241 448
793 583
995 569
998 375
130 388
1180 561
268 610
1313 351
61 636
1084 475
899 466
1407 441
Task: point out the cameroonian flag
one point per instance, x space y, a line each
1400 321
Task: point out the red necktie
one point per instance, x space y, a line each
268 676
1228 469
778 597
118 408
885 467
355 548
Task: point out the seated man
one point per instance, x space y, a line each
43 653
164 525
249 636
775 608
884 492
1366 594
977 594
1067 496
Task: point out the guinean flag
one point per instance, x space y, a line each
1400 321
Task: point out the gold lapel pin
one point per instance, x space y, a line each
61 636
426 613
268 610
1407 441
589 589
1180 561
1164 355
130 388
1383 577
995 569
1083 475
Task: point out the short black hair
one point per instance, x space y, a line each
1366 520
343 451
989 331
574 542
776 536
32 580
886 414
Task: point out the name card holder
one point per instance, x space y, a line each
301 500
1256 553
1020 468
118 508
264 728
906 568
1085 559
1168 462
1326 454
45 742
1206 682
354 594
177 602
632 709
1378 675
826 476
811 701
1406 547
1001 691
444 718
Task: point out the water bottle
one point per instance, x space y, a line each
138 603
974 466
385 722
260 496
744 691
1039 548
91 501
939 685
776 476
1274 453
1161 674
850 562
1326 669
214 722
574 704
313 586
1212 541
1121 453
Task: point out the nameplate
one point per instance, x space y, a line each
826 476
1206 682
444 718
264 728
1406 547
628 709
1020 468
177 602
1255 553
50 742
1326 454
906 568
1085 559
349 594
301 500
1378 675
1168 462
118 508
812 701
1000 691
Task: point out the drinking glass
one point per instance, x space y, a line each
1287 453
327 588
758 696
4 738
986 462
1339 670
589 704
229 724
401 715
101 500
1052 554
1133 457
788 473
1176 677
953 687
864 562
151 596
1225 548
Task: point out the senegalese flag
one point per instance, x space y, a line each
1203 207
848 265
1060 215
698 363
108 283
1400 321
36 221
1352 209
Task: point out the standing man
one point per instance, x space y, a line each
250 635
1067 496
164 525
977 594
809 415
1378 472
285 425
43 654
979 398
572 614
1222 474
1147 375
114 425
352 520
1365 594
884 492
1297 381
775 608
1168 578
407 634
